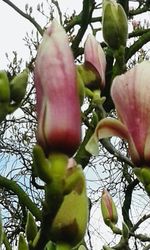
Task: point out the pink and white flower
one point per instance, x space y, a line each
131 95
58 108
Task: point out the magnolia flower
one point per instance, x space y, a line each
58 108
95 58
131 95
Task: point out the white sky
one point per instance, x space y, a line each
13 27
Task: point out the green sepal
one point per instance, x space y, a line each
42 164
18 86
31 228
145 173
87 75
123 25
22 244
37 237
75 180
92 145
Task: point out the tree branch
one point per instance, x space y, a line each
28 17
137 45
111 149
22 196
85 18
127 202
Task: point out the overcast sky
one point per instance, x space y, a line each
13 27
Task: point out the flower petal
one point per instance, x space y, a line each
131 95
107 127
95 57
58 107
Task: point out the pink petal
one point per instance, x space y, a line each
95 57
131 95
58 104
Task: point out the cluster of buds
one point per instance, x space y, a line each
11 92
65 211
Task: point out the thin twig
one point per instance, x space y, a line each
28 17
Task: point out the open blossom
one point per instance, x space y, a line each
131 95
95 58
58 108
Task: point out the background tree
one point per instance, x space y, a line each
21 189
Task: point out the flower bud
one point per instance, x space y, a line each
58 105
4 88
95 60
115 24
108 209
18 86
69 225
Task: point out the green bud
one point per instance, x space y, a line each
115 24
22 245
69 224
18 86
4 88
31 228
108 208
